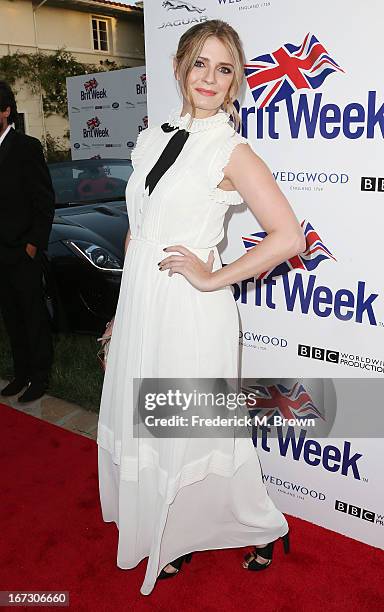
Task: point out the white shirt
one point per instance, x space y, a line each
5 133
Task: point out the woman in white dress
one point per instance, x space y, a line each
177 318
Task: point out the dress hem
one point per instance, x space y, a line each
151 587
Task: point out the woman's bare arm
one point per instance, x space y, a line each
251 177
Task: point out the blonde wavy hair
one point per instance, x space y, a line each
189 49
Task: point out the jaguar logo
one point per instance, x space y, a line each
177 4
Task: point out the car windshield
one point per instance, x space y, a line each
90 180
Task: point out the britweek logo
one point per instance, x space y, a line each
275 77
145 124
93 130
141 88
91 92
302 293
312 452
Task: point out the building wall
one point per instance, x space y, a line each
16 23
55 28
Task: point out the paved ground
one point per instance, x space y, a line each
57 411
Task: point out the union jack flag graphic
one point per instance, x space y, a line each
91 84
275 76
143 78
314 253
278 400
93 123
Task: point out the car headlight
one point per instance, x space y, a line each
96 255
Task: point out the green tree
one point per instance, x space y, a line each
46 74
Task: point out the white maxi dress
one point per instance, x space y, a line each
171 496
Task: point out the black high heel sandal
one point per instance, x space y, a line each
177 563
266 552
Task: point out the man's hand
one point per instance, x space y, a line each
31 250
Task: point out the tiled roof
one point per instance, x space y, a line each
120 4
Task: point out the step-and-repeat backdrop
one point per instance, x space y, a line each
106 111
312 329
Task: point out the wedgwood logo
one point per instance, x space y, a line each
308 180
251 337
244 5
293 488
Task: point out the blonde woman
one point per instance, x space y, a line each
176 318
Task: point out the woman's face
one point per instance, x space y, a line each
211 76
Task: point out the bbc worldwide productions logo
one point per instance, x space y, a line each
362 513
372 183
351 360
316 352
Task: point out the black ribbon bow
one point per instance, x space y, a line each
168 156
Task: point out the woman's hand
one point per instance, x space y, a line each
196 271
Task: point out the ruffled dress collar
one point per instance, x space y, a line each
198 125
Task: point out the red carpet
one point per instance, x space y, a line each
53 538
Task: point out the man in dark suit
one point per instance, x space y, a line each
27 204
